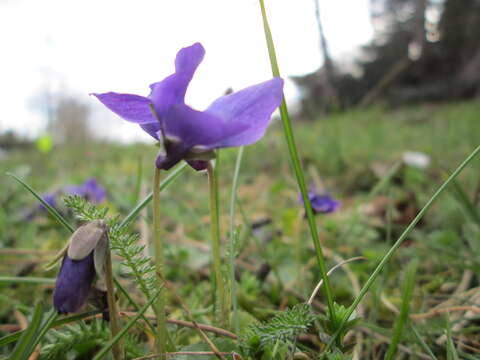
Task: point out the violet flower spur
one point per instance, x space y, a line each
237 119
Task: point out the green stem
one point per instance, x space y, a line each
159 264
174 174
233 240
397 244
117 348
297 167
219 288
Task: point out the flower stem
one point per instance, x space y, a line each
159 264
219 287
233 241
297 166
117 349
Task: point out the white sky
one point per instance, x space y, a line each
78 47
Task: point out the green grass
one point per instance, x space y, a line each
345 150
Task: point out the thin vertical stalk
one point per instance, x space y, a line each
219 288
297 167
233 240
117 348
159 264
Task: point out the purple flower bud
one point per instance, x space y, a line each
85 258
235 119
73 285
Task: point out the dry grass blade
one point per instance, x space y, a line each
189 324
319 285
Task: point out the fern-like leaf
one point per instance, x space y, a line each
284 327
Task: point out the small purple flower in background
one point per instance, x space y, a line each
50 199
321 203
85 259
90 190
237 119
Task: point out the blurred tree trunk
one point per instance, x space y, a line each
419 35
330 85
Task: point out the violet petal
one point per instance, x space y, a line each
133 108
73 284
249 109
198 128
151 129
172 89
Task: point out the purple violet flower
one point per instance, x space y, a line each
321 203
237 119
91 190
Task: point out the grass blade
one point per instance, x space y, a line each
421 342
402 318
57 322
25 280
52 211
451 350
50 318
24 348
297 167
